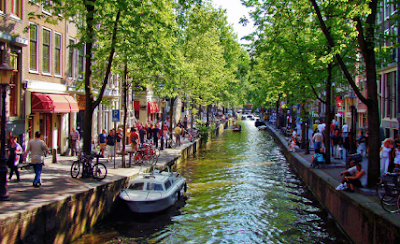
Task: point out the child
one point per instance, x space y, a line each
318 158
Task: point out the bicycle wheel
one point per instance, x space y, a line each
99 171
138 157
390 206
386 187
75 169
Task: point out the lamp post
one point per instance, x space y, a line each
163 102
353 131
5 75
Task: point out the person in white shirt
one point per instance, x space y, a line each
345 130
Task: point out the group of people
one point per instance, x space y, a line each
36 147
389 155
139 134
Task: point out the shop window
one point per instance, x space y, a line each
46 51
57 54
396 133
33 47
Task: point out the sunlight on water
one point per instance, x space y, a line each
241 190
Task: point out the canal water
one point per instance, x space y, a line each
240 190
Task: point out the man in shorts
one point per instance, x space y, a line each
102 141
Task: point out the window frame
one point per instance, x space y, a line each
57 49
2 6
46 72
81 63
35 70
71 58
19 12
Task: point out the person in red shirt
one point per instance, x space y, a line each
134 139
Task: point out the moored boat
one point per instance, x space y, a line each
153 192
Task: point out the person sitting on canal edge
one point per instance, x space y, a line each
317 158
355 180
349 172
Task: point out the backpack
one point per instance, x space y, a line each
133 139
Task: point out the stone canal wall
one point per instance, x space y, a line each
360 217
64 220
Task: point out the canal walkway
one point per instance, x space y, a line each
63 208
358 213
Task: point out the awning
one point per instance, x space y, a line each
53 103
152 107
136 105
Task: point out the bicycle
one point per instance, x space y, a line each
98 170
146 154
389 192
193 134
169 142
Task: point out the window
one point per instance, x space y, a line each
2 6
154 187
81 62
136 186
14 84
71 58
33 47
17 8
45 8
387 8
46 51
57 54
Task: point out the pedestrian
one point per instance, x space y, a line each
178 132
142 133
134 139
185 122
37 147
396 154
362 144
74 137
335 142
119 136
155 131
317 158
345 130
14 151
110 144
102 141
386 147
317 140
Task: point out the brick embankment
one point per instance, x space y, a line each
360 216
63 208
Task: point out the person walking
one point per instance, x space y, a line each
110 144
135 139
102 141
37 147
142 133
14 151
74 136
178 132
386 147
317 140
155 132
119 136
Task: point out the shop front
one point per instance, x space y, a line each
50 114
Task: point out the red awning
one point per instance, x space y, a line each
152 107
53 103
136 105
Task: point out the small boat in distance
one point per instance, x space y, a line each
154 192
236 128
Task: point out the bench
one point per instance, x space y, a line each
130 153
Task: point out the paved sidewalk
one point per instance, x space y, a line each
57 183
335 168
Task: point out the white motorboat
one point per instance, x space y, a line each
154 192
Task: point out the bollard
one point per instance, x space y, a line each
54 154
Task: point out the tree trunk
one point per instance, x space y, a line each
171 113
328 115
125 91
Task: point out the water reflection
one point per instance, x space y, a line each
241 190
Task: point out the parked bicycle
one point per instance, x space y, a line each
84 166
169 142
389 192
147 154
193 134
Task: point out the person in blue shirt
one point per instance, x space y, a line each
102 141
318 158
